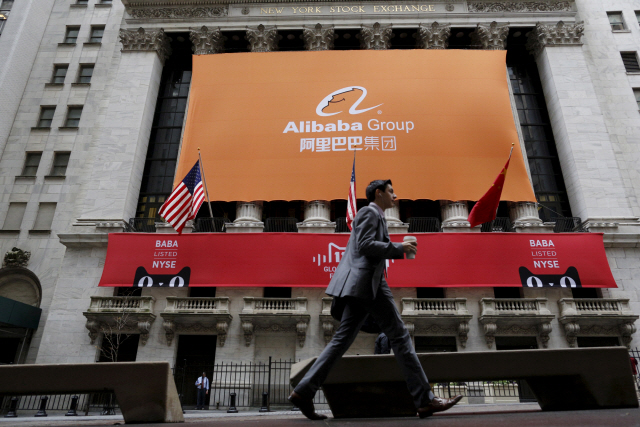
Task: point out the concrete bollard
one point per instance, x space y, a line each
265 402
72 409
232 404
43 407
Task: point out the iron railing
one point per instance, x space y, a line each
498 225
280 225
142 225
103 403
424 225
569 225
210 225
341 225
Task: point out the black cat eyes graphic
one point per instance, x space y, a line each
570 279
143 279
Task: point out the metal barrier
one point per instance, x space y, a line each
424 225
280 225
210 225
341 225
103 403
142 225
498 225
569 225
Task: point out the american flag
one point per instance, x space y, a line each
185 200
351 201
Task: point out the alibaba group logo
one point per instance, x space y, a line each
336 102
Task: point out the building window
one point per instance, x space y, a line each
636 92
59 73
638 16
72 34
73 117
82 2
46 117
60 163
96 34
31 164
616 21
85 73
44 218
106 1
630 60
13 220
277 292
5 8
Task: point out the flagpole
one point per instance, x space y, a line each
204 181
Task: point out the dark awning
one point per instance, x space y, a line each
15 313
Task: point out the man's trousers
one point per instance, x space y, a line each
202 398
385 313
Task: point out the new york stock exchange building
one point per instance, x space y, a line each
108 104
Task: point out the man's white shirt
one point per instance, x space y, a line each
206 382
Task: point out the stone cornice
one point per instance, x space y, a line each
152 3
520 6
179 12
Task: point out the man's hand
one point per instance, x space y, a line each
206 392
410 247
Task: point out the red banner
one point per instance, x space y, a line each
308 260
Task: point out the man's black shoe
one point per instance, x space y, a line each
438 404
306 407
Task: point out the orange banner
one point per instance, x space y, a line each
285 125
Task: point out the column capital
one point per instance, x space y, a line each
262 39
206 41
491 36
142 40
560 34
434 36
318 37
376 36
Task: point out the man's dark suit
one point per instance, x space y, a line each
359 279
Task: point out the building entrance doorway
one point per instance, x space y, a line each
519 343
196 354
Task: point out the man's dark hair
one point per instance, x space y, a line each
380 184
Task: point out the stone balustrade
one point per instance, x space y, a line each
265 315
597 317
196 315
120 315
515 316
437 316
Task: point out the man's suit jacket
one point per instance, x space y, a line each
361 269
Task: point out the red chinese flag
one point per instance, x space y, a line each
486 208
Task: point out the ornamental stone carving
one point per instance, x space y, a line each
169 330
434 36
301 329
247 327
262 39
526 6
328 330
206 41
179 12
490 333
141 40
318 37
376 36
491 36
16 257
560 34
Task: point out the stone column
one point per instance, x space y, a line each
525 219
318 37
317 214
262 39
594 185
205 41
434 36
376 36
394 224
248 218
111 190
490 36
454 216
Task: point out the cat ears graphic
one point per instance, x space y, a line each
570 279
143 279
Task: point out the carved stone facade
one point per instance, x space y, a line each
275 315
120 315
146 40
560 34
196 315
206 41
490 37
262 39
16 257
179 12
376 36
318 37
434 36
520 6
437 316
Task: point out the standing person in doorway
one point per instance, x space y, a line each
359 289
202 384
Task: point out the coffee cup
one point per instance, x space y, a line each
410 239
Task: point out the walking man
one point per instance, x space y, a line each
359 287
202 384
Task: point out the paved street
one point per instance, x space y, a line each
520 415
